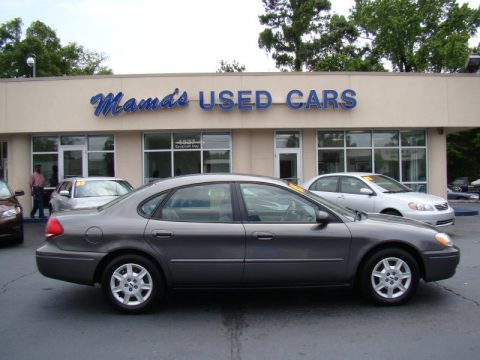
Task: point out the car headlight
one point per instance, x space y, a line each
420 206
444 239
10 212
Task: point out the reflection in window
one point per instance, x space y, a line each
202 203
387 163
49 167
174 154
101 164
414 165
398 154
359 160
45 143
330 161
270 204
287 139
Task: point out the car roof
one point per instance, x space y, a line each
90 178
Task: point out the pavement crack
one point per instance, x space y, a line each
457 294
234 322
3 289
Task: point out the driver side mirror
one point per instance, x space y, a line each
65 193
366 191
322 217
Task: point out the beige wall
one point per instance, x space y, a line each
437 162
128 157
46 105
19 168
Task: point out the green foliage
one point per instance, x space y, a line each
52 59
462 154
225 66
419 35
301 34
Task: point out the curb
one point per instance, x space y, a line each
465 212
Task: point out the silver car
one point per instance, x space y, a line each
238 231
375 193
79 193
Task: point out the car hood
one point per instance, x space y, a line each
417 197
392 219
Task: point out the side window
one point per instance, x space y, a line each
201 203
325 184
271 204
147 208
350 185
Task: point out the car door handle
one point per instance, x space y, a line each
341 196
259 235
162 234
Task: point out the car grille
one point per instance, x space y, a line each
441 207
445 222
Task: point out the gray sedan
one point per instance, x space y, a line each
238 231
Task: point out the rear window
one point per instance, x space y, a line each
95 188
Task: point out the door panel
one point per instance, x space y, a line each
285 244
350 195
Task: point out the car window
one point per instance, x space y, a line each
5 190
94 188
272 204
350 185
388 185
147 208
328 183
201 203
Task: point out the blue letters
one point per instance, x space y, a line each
226 100
294 106
258 99
212 101
349 102
110 104
313 100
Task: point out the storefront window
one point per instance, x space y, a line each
398 154
72 140
330 161
359 138
49 164
45 143
359 160
74 155
331 139
174 154
287 139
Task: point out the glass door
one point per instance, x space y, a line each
288 155
73 162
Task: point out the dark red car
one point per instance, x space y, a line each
11 214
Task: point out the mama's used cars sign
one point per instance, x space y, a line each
225 100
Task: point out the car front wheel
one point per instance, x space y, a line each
132 284
390 277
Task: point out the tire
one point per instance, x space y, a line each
389 277
136 293
391 212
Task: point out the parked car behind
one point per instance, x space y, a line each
375 193
79 193
11 214
226 230
457 195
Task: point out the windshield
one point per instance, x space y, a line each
349 214
95 188
388 185
5 191
128 194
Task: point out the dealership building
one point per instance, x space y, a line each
288 125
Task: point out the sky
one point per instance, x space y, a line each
160 36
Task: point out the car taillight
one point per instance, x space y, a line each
53 228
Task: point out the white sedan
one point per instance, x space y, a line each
375 193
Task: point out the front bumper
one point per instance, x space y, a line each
435 218
71 266
441 264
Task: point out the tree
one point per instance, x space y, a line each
462 154
301 34
419 35
52 59
225 66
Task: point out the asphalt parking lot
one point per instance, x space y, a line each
47 319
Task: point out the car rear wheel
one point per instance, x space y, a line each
391 212
132 284
390 277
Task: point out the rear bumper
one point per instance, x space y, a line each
441 264
75 267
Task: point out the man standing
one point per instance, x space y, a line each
37 183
